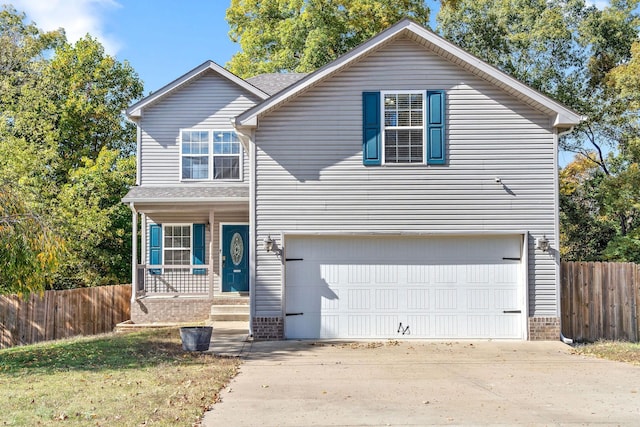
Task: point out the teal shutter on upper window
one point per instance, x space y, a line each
198 248
436 148
371 138
155 247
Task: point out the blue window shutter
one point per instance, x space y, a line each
198 251
436 120
155 247
371 138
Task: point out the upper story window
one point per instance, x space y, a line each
226 155
210 155
404 127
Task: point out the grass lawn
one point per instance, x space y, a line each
613 350
133 379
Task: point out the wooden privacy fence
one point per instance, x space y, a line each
600 300
62 314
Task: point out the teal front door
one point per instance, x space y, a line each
235 258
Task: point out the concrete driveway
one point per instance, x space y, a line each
306 383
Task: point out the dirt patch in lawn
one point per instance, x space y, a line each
131 379
612 350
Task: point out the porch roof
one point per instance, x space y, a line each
187 193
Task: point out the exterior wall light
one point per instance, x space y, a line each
542 243
268 243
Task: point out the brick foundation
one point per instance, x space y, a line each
544 328
268 328
170 310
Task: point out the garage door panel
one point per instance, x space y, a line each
359 325
435 288
478 299
445 326
359 299
505 299
479 325
386 299
446 299
417 326
418 299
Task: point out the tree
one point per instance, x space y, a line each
67 151
29 249
584 231
89 209
625 79
92 90
581 56
303 35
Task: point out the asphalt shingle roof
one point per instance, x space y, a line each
186 193
275 82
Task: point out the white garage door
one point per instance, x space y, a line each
404 287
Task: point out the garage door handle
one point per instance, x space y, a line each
294 314
512 311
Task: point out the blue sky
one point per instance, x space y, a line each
162 39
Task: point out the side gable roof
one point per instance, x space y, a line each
564 117
135 111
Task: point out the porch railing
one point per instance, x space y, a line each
173 279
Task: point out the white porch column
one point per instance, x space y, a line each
212 236
134 252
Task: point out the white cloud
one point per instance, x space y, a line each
77 17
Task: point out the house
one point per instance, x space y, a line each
405 190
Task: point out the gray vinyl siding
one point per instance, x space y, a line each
310 177
210 102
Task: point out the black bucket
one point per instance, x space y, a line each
196 338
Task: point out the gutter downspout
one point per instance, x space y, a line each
564 339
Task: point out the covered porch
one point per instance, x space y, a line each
191 251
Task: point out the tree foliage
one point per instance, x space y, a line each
587 58
30 250
66 153
303 35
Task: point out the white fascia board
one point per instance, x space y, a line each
475 64
135 111
189 200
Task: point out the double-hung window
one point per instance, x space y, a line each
210 155
403 134
177 244
195 154
226 155
403 127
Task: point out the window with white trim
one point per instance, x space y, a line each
403 128
226 155
177 244
195 154
210 155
